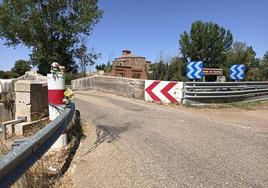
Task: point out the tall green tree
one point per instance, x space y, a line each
20 67
207 42
177 69
172 69
264 67
242 54
51 28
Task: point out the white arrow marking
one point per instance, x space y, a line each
197 66
189 74
233 71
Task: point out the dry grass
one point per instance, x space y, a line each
3 148
47 170
50 169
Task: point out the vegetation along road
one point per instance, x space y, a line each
136 144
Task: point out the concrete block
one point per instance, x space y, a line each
31 98
9 131
18 129
23 86
23 105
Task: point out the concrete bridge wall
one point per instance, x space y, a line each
127 87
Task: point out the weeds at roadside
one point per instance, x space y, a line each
53 165
3 148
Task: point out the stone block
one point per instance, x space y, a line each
19 128
23 86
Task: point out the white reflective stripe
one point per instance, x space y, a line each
55 82
197 66
55 111
189 74
233 72
175 91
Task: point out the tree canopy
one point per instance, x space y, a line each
207 42
264 67
240 53
20 67
50 28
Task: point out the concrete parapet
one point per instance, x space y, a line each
127 87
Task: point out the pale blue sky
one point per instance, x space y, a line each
152 27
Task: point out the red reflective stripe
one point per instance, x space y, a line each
166 89
56 97
151 93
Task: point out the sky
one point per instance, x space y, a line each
152 28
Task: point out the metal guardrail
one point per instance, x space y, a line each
205 91
14 164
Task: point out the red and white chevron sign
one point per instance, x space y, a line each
163 91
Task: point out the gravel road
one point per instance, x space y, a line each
139 144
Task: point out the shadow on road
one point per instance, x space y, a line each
107 134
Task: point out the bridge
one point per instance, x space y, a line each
134 143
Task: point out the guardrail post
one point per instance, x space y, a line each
56 87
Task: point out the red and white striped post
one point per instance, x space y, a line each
56 87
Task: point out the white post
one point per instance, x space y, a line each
56 87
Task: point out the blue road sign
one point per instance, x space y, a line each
195 70
237 72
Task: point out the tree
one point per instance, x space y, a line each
100 67
52 29
20 67
177 69
172 69
7 74
242 54
108 67
264 67
207 42
86 58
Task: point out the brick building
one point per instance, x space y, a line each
130 66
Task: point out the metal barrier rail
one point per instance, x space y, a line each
220 90
14 164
